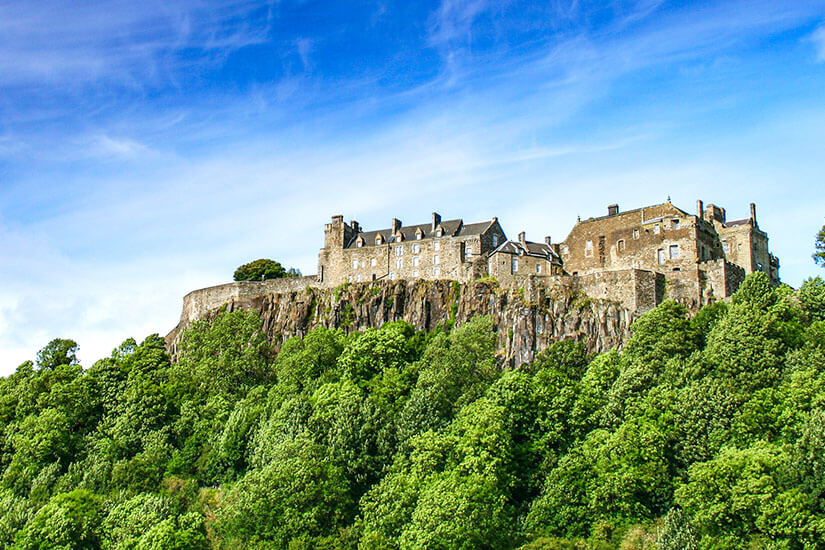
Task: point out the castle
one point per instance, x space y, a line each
647 254
589 287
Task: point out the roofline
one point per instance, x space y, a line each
588 220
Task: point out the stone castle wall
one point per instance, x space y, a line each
199 304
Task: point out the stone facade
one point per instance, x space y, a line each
514 261
701 257
436 250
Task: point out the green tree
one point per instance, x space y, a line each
263 269
819 247
68 522
299 493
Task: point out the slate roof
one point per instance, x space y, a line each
540 250
452 228
734 223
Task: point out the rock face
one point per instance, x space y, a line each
526 322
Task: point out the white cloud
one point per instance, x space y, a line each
818 40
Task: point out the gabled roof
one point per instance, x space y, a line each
451 228
527 248
636 211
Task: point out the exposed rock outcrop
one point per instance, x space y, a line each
526 321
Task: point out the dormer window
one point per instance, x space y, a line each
674 224
439 232
379 239
359 242
419 234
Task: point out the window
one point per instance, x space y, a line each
588 249
419 235
538 269
620 245
635 233
495 241
436 271
415 273
565 250
656 229
437 245
399 250
660 256
372 262
354 264
378 239
416 248
392 275
358 278
674 252
726 247
674 224
436 259
514 264
349 278
415 261
362 263
399 263
439 233
359 243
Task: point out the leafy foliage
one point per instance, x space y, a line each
704 432
263 269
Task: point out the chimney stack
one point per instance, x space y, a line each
547 240
753 215
396 225
700 209
613 209
355 226
338 218
436 220
522 237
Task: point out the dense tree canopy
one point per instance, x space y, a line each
263 269
705 431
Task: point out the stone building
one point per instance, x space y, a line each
700 256
514 261
436 250
645 255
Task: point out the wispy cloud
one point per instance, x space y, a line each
127 43
818 40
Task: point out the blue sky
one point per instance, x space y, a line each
148 149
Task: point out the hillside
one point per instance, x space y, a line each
702 431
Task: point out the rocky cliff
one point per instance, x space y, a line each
527 320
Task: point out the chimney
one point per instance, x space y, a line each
753 215
436 220
355 226
613 209
547 240
338 219
700 209
522 237
396 225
